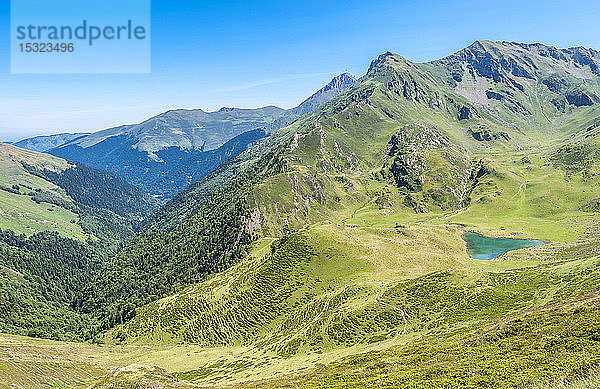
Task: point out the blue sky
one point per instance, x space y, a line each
247 54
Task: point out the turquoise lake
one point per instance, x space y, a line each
482 247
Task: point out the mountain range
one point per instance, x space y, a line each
166 153
329 250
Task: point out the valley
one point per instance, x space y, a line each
330 252
353 285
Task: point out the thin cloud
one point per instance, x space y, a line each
269 81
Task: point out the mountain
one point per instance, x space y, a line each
331 252
335 87
344 229
59 222
47 142
168 152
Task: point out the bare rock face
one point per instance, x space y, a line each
487 61
465 113
335 87
485 135
580 99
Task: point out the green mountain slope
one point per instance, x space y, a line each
393 144
28 216
556 342
59 222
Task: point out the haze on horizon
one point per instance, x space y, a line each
233 54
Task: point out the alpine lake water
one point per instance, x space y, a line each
485 248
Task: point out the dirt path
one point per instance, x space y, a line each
443 216
521 187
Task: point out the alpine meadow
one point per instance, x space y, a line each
427 225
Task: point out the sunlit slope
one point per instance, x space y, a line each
334 285
341 234
481 317
379 185
40 192
170 151
303 293
18 187
553 344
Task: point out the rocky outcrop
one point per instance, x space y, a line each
580 99
424 164
493 95
554 84
483 60
465 113
335 87
485 135
586 57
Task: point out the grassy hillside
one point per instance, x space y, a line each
505 324
398 147
331 253
20 213
558 342
381 278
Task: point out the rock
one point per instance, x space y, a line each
483 135
560 104
554 84
464 113
579 99
493 95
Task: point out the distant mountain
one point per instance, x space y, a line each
46 142
166 153
187 129
335 87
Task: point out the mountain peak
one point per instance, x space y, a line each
339 84
386 58
342 81
481 43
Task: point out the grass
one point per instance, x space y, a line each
535 200
24 216
590 382
18 211
370 275
358 303
513 352
510 329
